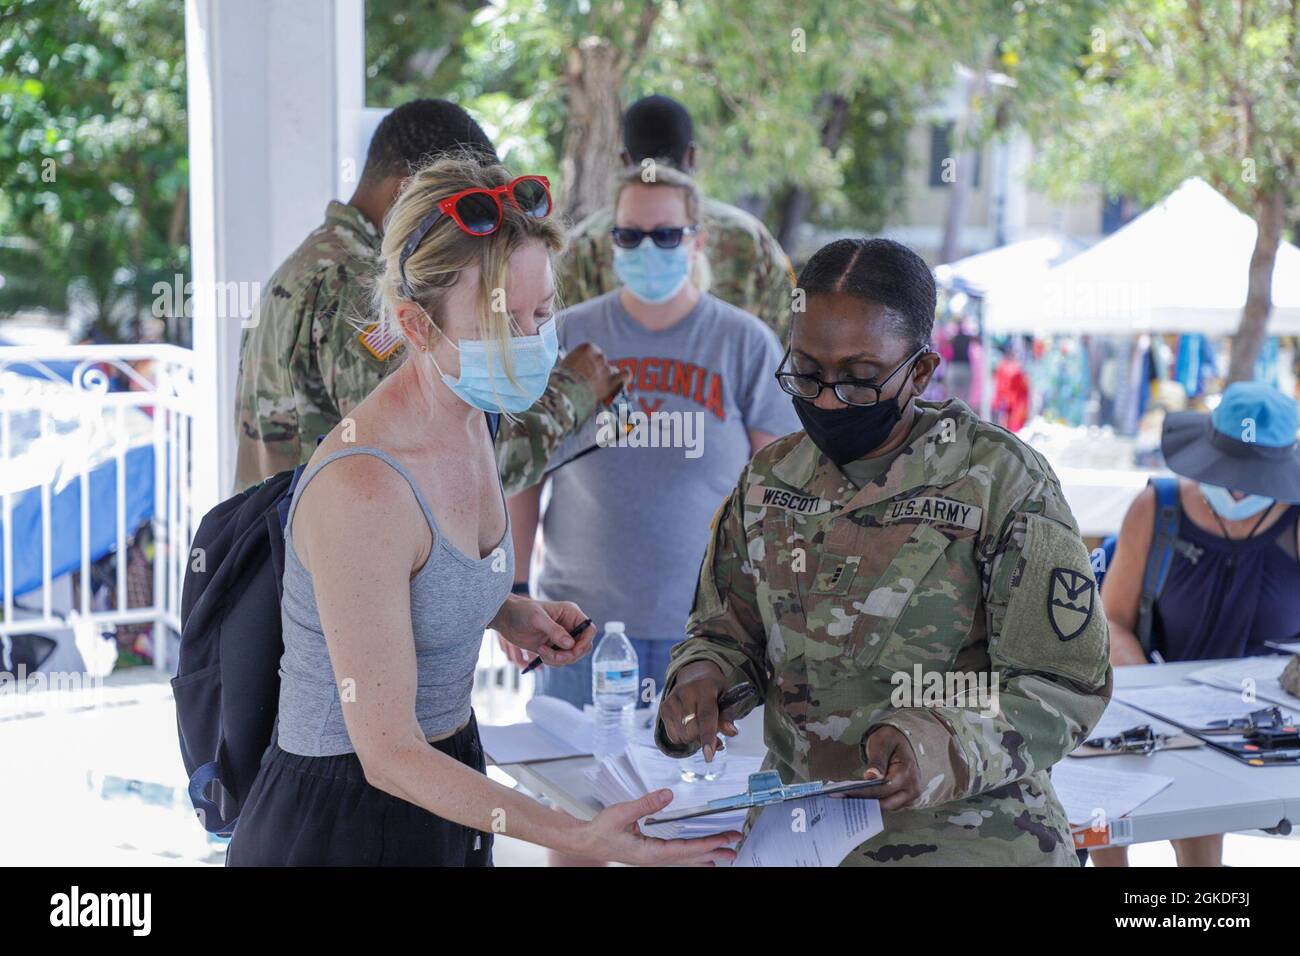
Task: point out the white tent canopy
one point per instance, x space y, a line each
1181 266
1006 265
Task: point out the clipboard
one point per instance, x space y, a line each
1141 740
765 788
1252 755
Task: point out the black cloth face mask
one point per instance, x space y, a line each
846 434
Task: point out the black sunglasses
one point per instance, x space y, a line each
666 237
850 391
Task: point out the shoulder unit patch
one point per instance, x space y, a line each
1070 600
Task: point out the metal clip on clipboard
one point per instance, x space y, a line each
1135 740
1267 718
765 788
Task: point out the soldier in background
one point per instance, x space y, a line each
311 356
748 267
905 585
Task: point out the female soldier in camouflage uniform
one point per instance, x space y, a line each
869 573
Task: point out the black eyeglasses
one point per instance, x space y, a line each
667 237
850 391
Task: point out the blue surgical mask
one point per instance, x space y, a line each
652 274
483 381
1229 508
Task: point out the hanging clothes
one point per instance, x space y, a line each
1010 394
975 395
1266 364
1187 367
1128 407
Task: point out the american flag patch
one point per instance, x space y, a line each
379 342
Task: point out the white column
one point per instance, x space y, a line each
274 89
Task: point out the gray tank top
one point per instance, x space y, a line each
453 597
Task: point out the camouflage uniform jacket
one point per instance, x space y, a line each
962 558
749 269
308 359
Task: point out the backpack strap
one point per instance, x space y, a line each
207 809
1159 556
284 501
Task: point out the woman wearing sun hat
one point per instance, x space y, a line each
1233 582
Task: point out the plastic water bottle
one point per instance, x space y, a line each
615 677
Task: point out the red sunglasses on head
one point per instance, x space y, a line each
478 212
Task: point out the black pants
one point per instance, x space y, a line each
320 811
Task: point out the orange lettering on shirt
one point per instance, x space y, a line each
714 403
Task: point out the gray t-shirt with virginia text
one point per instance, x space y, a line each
625 527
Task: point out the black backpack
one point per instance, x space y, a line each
227 684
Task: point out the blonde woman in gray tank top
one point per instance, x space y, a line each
398 556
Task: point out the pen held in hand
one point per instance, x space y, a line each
537 661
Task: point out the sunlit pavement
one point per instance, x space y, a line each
63 752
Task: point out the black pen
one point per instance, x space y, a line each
537 661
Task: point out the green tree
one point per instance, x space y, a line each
1179 88
93 166
800 117
1009 58
795 115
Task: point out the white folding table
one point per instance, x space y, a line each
1211 792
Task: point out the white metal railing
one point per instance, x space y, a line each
56 434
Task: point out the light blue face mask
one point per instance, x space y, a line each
1229 508
652 274
483 381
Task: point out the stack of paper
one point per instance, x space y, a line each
555 729
641 768
815 831
1192 706
1091 793
1120 717
1257 676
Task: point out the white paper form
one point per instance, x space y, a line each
641 767
1088 790
653 770
554 729
1192 706
814 831
1120 717
658 770
1257 674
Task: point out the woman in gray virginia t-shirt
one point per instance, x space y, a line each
626 525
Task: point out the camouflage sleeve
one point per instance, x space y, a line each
525 445
349 369
1049 647
578 272
724 625
775 280
317 411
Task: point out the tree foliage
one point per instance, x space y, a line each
801 110
93 170
1179 88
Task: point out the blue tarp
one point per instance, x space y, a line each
65 506
65 519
